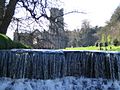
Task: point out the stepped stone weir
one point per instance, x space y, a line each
50 64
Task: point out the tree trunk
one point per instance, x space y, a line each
9 12
2 7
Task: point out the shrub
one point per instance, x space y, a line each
115 42
7 43
100 44
106 44
19 45
97 44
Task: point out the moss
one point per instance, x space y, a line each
19 45
7 43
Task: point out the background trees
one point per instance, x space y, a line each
86 36
111 30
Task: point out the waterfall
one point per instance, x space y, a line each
51 64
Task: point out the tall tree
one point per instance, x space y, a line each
35 8
88 37
2 6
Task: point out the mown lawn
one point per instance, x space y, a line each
108 48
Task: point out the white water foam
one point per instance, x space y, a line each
66 83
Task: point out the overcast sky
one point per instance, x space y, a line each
98 11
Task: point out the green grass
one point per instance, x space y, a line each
116 48
83 48
108 48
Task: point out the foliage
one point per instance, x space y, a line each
7 43
103 38
116 16
19 45
115 42
109 39
84 36
111 30
97 44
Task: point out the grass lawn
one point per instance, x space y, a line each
108 48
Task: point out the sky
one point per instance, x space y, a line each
98 12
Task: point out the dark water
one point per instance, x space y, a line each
50 64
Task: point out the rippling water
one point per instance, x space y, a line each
66 83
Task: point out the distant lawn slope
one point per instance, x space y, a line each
108 48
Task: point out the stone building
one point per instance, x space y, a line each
35 39
56 28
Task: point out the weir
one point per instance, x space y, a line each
51 64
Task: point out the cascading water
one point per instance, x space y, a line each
52 64
47 64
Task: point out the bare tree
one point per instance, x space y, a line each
36 9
